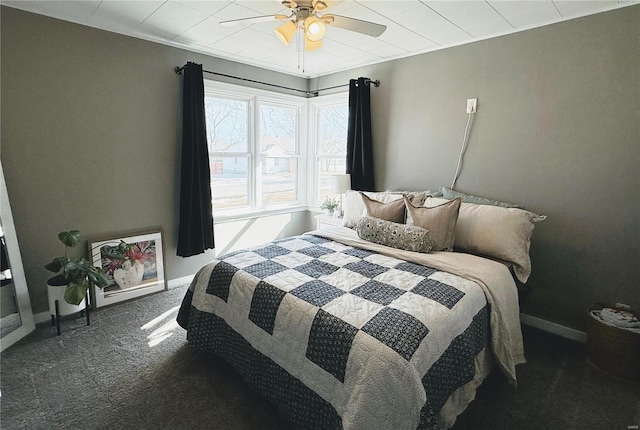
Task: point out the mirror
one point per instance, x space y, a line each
16 316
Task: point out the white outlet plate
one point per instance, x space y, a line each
472 105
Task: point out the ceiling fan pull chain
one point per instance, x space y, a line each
298 48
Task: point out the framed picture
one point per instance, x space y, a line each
134 267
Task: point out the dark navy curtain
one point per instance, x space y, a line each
195 233
359 140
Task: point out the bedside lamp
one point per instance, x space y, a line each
340 184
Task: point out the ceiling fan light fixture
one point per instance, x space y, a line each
286 32
312 45
314 28
318 5
327 19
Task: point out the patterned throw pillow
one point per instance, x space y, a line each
395 235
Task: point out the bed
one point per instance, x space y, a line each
342 332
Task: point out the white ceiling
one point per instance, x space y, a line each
413 26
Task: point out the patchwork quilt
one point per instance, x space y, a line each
338 336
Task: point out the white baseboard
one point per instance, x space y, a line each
554 328
172 283
42 317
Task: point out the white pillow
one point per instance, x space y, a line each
353 207
495 232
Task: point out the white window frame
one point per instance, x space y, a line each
315 106
256 98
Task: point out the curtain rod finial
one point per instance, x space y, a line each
178 70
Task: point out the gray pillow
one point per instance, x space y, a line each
439 220
394 235
450 194
393 211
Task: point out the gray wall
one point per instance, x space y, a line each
557 130
90 141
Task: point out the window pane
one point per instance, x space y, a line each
333 131
279 180
229 182
226 124
278 130
328 167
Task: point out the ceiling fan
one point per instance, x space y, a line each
305 17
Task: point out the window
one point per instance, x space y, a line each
266 152
330 117
254 148
279 151
229 151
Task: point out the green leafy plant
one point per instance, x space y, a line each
330 204
77 273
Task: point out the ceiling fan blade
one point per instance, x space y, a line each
253 20
357 25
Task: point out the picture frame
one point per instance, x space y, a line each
134 266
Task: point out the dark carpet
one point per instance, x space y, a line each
132 369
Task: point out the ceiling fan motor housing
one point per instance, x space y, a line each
305 8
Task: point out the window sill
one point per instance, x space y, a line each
224 218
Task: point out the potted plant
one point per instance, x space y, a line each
330 204
74 276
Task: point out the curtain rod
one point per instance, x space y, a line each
367 81
308 93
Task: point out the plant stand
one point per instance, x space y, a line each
55 319
58 306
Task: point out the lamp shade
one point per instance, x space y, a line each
340 183
314 28
310 45
286 32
